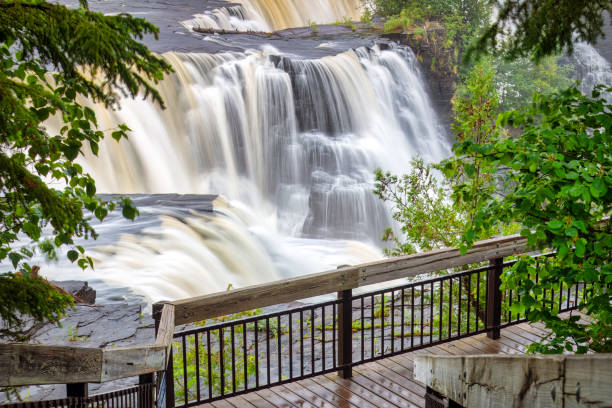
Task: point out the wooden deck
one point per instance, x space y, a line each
384 383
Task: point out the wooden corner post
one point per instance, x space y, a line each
494 298
345 334
165 379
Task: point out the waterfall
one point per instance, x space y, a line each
298 139
591 69
290 143
272 15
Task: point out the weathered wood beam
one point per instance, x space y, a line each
239 300
519 380
29 364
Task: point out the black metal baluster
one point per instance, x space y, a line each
221 364
382 324
392 321
422 302
412 318
210 390
334 356
478 301
469 297
256 355
245 360
279 346
323 333
431 308
441 309
372 325
197 362
185 370
301 343
362 332
233 359
403 316
509 307
459 309
268 349
312 347
290 345
450 308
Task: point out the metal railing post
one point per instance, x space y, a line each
494 298
345 334
80 391
146 395
165 379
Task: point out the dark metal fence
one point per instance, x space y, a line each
231 358
140 396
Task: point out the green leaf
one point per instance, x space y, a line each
598 188
580 247
554 225
73 255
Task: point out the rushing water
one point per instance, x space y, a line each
291 144
272 15
591 69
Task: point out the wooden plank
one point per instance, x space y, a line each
394 383
238 300
343 392
254 399
382 391
125 362
292 397
307 395
274 399
407 384
331 397
360 391
30 364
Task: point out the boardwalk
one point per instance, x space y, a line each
385 383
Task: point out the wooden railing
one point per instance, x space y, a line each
37 364
29 364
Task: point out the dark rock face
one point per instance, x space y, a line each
80 289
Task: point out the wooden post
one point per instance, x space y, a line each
80 391
167 383
345 334
494 298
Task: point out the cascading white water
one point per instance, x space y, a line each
272 15
591 69
292 144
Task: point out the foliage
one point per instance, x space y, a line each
420 204
558 186
525 28
516 81
51 58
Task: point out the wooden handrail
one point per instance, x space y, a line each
302 287
30 364
25 364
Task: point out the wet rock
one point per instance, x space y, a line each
80 289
